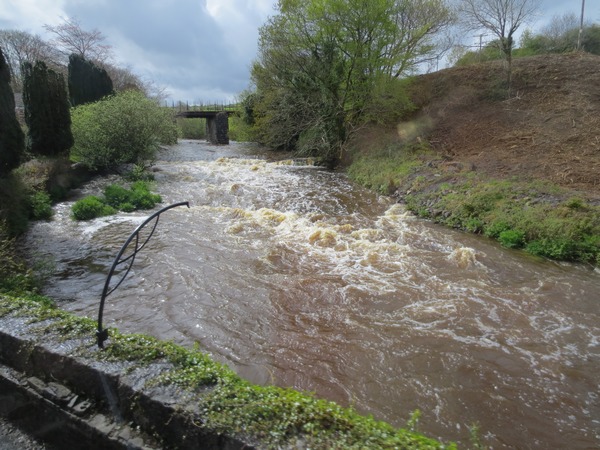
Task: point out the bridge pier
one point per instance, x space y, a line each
217 128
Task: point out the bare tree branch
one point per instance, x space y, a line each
71 38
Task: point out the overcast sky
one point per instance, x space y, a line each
199 50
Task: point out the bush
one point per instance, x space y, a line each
115 195
14 205
139 173
124 128
47 110
139 197
512 238
116 198
142 198
41 206
91 207
12 140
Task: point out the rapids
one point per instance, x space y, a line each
292 275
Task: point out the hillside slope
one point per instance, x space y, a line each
548 129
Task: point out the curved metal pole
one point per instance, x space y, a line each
102 334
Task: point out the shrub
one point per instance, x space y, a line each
116 198
14 206
512 238
495 228
124 128
46 110
41 206
142 198
87 82
91 207
139 173
12 141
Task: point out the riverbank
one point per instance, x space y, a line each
522 170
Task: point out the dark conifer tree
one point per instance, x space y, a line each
47 111
11 135
87 82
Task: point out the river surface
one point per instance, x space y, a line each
294 276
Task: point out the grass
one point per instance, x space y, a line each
538 217
384 170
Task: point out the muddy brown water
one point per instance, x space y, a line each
292 275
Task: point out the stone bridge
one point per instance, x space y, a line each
217 124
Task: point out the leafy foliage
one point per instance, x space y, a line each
124 128
87 82
14 275
46 110
322 66
14 211
12 143
116 198
41 205
565 41
91 207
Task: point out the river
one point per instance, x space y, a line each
294 276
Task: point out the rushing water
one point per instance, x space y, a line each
294 276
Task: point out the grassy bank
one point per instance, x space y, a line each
537 216
275 417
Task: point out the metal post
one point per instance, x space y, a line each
102 334
580 26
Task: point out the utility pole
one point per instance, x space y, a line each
580 26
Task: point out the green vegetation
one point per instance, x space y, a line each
274 416
116 198
12 143
91 207
14 203
560 36
538 217
46 110
124 128
325 68
194 128
41 206
87 82
385 169
15 277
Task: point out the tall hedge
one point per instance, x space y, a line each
11 136
47 110
87 82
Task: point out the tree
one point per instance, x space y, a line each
71 38
562 35
46 110
87 81
320 62
124 128
11 135
19 47
500 17
124 79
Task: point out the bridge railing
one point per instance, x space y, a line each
185 106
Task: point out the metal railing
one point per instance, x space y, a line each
181 106
102 334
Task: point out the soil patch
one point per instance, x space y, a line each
547 129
